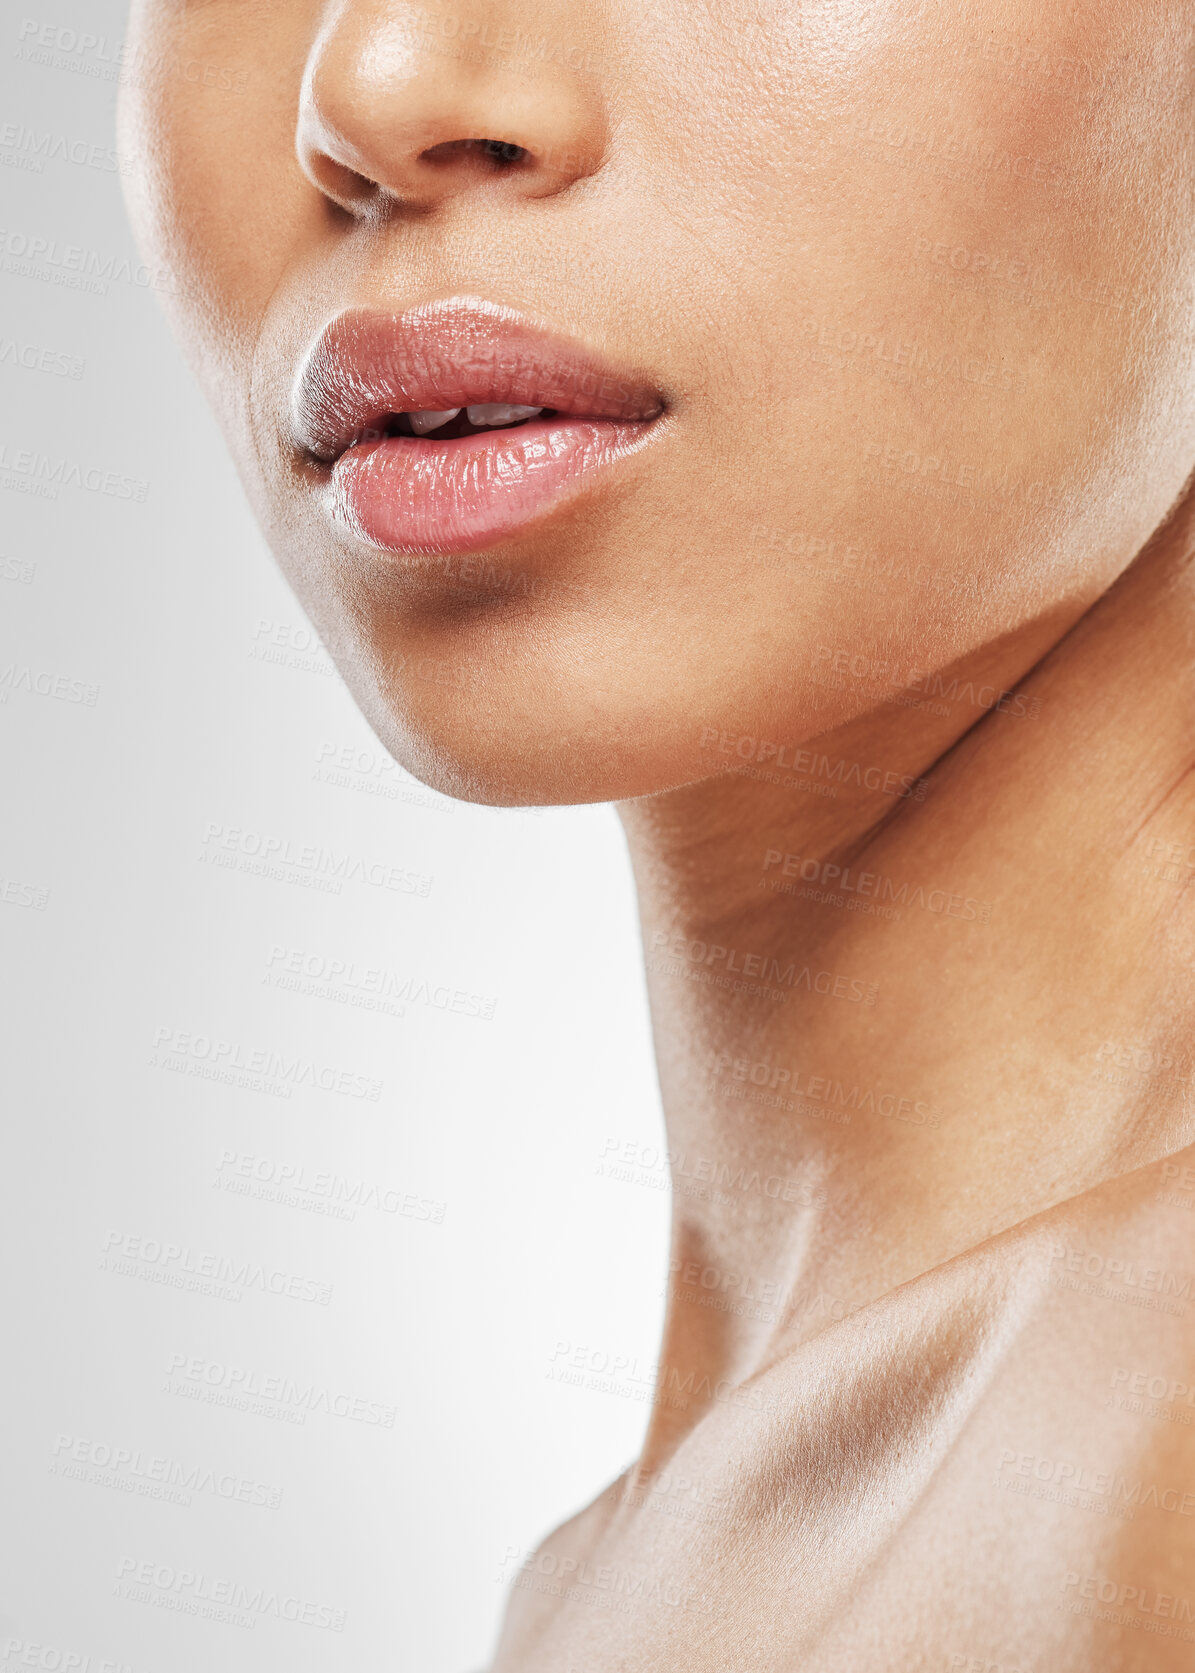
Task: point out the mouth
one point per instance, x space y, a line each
458 424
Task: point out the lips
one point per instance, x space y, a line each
465 470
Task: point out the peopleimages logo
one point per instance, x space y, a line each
62 38
179 1266
38 148
31 895
228 1059
369 987
76 266
320 1190
781 1085
811 764
711 957
1067 1476
874 885
907 681
152 1475
1143 1600
573 1578
601 1371
243 1388
41 683
151 1582
28 464
1171 1391
277 856
24 1652
35 358
1113 1270
58 46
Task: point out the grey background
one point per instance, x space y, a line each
183 1336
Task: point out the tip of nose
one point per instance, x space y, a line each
379 125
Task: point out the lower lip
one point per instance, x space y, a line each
419 496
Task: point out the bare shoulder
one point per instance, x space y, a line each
1116 1357
544 1578
994 1466
1051 1397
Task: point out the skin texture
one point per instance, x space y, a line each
902 586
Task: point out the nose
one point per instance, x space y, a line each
392 112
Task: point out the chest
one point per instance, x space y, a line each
981 1491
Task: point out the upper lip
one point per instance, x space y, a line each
458 353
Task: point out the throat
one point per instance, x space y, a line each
864 1096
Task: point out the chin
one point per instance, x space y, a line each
487 743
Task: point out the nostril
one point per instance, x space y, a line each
349 190
502 154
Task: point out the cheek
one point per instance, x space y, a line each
215 191
934 298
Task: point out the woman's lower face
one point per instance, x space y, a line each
765 359
646 398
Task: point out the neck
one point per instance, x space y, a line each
891 1025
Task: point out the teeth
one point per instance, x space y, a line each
422 422
497 412
488 413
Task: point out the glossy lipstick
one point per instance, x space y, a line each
438 493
